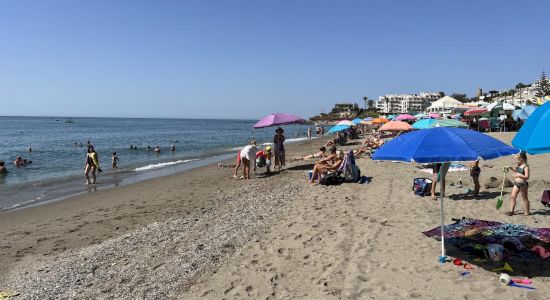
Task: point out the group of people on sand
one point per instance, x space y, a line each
520 175
252 158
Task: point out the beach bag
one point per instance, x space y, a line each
545 200
422 186
330 179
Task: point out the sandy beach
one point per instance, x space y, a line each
203 234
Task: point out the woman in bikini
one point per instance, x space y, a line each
521 174
475 171
92 164
322 153
323 168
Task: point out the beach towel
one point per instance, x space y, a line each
519 240
349 169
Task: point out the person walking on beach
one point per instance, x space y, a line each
92 164
309 133
248 158
439 173
279 148
114 161
521 174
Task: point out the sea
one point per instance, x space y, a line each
59 151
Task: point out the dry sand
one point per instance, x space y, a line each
202 234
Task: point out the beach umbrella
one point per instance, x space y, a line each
390 117
524 112
434 116
448 123
442 144
368 119
476 111
423 124
533 135
456 117
395 126
379 121
404 117
500 106
278 119
420 116
346 123
337 128
356 121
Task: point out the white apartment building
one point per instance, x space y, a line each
407 103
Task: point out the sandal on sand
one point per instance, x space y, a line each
510 213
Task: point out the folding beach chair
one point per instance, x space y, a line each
348 169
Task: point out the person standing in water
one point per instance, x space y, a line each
114 161
92 164
309 133
279 148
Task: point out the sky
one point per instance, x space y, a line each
246 59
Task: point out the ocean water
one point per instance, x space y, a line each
58 164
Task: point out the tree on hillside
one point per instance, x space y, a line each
521 86
441 94
493 93
366 99
459 97
543 86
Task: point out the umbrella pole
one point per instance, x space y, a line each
442 257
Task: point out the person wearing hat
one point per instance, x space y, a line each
263 158
3 169
248 159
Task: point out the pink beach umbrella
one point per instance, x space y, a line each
396 126
405 117
434 116
278 119
476 111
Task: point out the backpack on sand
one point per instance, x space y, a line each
422 186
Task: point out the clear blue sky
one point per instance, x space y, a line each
245 59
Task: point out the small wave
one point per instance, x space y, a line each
294 140
163 164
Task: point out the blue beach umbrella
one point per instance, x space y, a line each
533 135
524 113
420 116
356 121
338 128
391 117
423 124
368 119
442 144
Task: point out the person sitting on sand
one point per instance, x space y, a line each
18 162
521 174
328 159
3 169
322 169
322 153
248 159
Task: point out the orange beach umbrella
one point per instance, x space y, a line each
380 121
395 126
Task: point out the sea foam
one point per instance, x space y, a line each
163 164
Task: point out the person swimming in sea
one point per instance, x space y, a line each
173 148
3 169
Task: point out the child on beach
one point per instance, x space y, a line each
475 171
114 160
521 174
263 158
